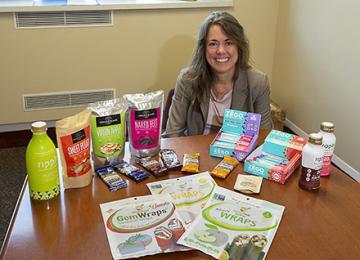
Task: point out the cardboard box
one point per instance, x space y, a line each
238 135
269 169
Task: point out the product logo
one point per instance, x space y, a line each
239 217
78 136
145 114
108 120
139 217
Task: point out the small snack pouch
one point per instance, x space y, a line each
155 167
249 184
108 131
144 119
189 193
170 159
131 171
140 226
191 162
74 138
234 226
108 175
223 169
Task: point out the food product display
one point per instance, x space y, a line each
155 167
144 119
232 224
223 169
140 226
188 193
191 163
108 131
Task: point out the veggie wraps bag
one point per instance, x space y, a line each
108 131
189 193
234 226
140 226
144 119
74 138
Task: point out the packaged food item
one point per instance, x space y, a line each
108 131
329 140
74 138
111 178
311 163
144 119
249 184
223 169
155 167
191 163
42 164
234 226
170 159
140 226
189 193
131 171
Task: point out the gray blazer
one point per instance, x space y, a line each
251 93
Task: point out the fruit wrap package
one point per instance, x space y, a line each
189 193
234 226
140 226
108 131
144 118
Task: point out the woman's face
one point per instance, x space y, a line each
221 51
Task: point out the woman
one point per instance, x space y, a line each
218 78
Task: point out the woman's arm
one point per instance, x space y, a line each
262 104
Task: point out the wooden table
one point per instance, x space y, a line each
324 224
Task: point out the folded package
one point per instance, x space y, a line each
238 135
277 158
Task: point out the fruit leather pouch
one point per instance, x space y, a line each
144 119
108 131
234 226
140 226
74 138
189 193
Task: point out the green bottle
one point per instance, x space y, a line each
42 164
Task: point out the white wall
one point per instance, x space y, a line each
316 71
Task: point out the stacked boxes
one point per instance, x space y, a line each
277 158
238 135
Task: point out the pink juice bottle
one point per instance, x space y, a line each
329 140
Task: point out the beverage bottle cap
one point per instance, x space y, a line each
315 138
327 127
38 126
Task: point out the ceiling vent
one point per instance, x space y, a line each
65 99
27 20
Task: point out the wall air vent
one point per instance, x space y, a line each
65 99
27 20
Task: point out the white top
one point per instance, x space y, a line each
216 112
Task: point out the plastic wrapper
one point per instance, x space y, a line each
155 167
191 163
223 169
170 159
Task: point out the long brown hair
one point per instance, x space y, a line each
200 73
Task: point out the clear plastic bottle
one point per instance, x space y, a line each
312 158
329 140
42 164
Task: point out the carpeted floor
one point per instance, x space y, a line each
12 175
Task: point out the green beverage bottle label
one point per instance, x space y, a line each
42 168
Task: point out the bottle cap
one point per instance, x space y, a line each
315 138
327 127
38 126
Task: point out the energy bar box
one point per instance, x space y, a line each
238 135
283 144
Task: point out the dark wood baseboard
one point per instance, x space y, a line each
21 138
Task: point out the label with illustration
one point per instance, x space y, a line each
234 226
76 148
189 193
145 128
108 135
142 226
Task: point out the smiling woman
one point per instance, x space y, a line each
219 77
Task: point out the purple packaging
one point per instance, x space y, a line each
245 125
144 120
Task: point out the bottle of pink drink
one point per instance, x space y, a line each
329 140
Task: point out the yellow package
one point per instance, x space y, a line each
191 162
223 169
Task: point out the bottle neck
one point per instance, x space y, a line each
38 134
